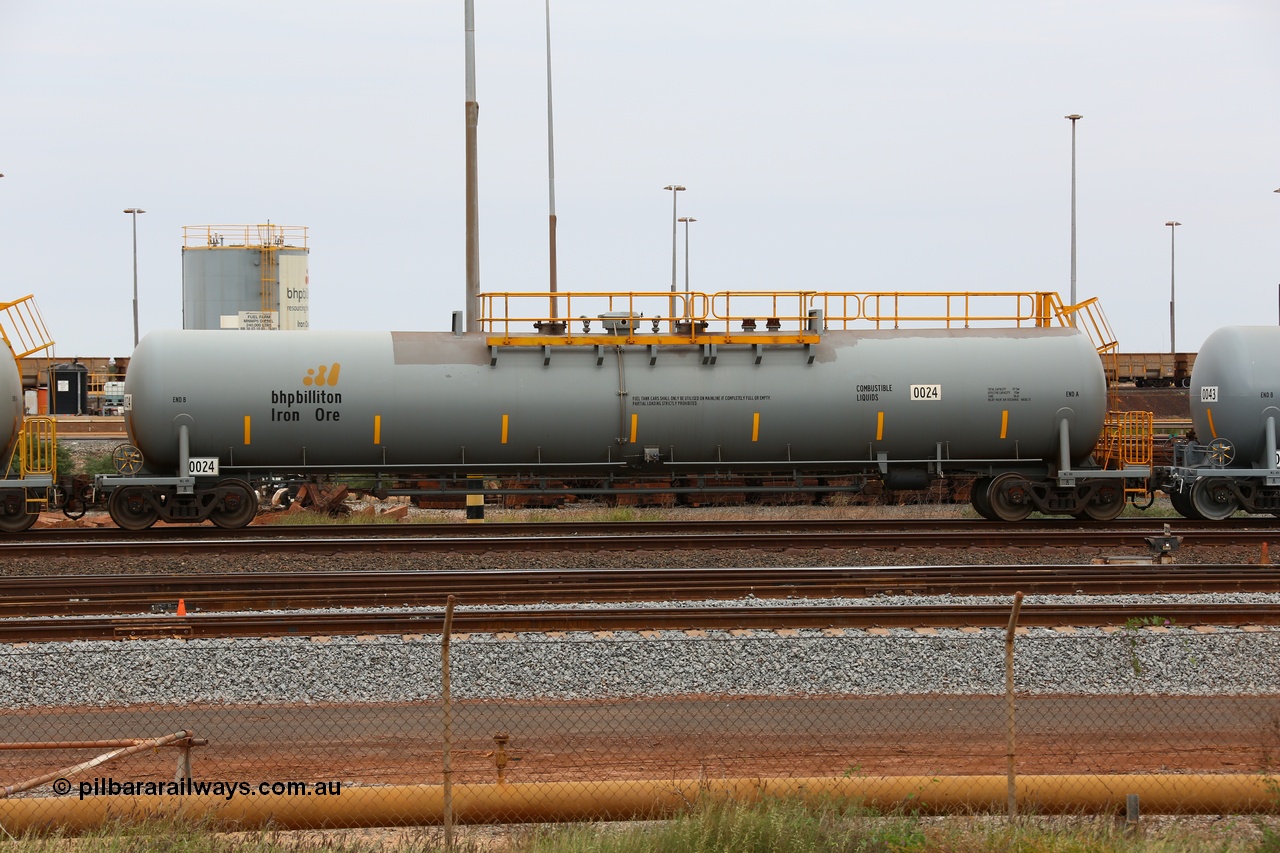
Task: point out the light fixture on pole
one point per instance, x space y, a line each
1173 228
675 190
686 220
133 212
1074 117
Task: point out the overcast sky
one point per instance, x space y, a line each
827 145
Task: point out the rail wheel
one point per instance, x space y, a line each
1213 498
1106 504
1010 497
130 508
1180 500
14 517
980 497
238 506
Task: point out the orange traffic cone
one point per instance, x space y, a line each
1265 559
182 607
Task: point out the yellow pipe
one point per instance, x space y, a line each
541 802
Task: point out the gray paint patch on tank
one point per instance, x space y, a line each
435 348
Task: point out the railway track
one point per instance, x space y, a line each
1177 525
84 595
550 620
651 536
89 608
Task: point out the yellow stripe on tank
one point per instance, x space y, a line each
755 427
1213 433
377 429
635 425
246 429
1004 424
879 426
505 421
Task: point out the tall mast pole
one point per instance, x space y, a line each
551 167
473 208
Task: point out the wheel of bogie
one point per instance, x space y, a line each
1010 497
980 497
131 509
14 517
1180 500
1107 503
127 459
1213 499
238 506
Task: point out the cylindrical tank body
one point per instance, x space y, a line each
432 398
245 277
70 386
11 401
1235 388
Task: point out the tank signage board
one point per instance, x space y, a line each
1012 394
202 466
926 392
293 297
1209 394
258 320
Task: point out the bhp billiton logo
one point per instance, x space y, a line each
323 375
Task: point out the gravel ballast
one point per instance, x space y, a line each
1140 659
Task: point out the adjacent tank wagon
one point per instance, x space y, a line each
1231 463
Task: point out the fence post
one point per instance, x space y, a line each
1009 710
447 737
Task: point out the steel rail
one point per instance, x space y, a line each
973 537
544 620
246 591
1177 526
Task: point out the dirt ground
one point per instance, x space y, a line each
681 738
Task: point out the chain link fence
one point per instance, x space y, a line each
357 730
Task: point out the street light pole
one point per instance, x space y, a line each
686 220
1173 229
675 189
1074 117
472 179
133 212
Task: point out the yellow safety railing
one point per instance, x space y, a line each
35 453
37 446
23 328
938 309
576 317
244 236
1127 441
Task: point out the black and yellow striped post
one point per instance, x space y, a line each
475 499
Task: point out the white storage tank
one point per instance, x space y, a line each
245 277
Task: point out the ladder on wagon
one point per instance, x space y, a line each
33 462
